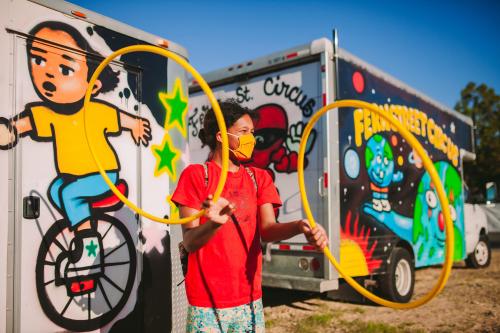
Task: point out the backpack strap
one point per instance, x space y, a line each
205 169
252 175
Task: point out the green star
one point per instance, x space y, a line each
176 105
92 249
166 157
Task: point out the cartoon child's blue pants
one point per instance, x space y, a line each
74 197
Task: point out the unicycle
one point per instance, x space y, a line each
84 302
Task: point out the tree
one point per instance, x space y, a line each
482 104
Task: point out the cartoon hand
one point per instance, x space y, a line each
315 236
295 135
219 211
397 177
8 134
141 132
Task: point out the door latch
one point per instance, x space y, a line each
31 207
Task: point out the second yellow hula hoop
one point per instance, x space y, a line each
213 101
429 166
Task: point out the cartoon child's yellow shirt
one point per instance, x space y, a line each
72 153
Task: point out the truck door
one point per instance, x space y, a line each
54 286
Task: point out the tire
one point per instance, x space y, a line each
46 298
399 280
481 256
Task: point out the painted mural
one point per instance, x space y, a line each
383 182
283 101
87 267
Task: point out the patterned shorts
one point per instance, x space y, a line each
239 319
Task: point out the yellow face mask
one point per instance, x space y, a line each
245 147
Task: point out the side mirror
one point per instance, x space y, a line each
491 192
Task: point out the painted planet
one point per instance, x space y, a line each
351 163
358 81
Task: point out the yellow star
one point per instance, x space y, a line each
174 210
176 105
166 157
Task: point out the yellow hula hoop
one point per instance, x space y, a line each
213 101
429 166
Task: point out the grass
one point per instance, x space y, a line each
359 326
314 323
322 321
326 319
271 323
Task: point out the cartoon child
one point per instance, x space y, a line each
60 78
380 168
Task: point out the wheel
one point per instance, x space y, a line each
481 256
399 280
93 301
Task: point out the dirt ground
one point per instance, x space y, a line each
470 302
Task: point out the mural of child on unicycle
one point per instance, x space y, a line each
60 78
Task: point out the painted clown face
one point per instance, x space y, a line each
379 161
429 224
270 133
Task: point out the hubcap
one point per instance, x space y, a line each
481 253
403 277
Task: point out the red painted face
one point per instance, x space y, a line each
270 133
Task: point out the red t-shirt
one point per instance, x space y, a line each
226 271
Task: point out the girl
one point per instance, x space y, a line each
223 281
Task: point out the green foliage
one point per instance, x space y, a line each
482 104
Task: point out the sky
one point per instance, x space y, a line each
436 47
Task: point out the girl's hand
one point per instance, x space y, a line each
315 236
219 211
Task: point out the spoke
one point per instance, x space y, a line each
66 307
112 283
110 226
59 245
117 263
50 263
49 282
104 294
88 304
116 248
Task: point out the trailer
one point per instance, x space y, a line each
123 278
366 185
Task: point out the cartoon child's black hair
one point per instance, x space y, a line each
108 77
232 111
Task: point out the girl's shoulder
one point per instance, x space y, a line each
193 170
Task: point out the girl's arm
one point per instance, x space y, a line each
271 231
139 127
196 235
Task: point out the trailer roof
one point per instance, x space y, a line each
285 58
279 59
392 80
95 18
